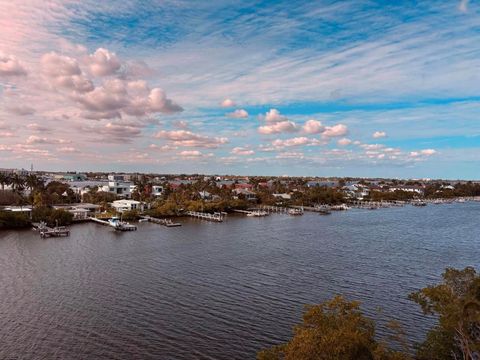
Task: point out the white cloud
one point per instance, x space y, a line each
11 66
313 127
278 127
379 134
103 62
191 153
298 141
273 116
238 114
335 131
344 142
189 139
242 151
228 103
33 139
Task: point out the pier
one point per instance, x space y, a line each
164 222
46 231
252 213
115 223
282 210
217 217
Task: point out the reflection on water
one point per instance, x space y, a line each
219 291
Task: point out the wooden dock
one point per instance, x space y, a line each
119 225
46 231
282 210
252 213
164 222
216 217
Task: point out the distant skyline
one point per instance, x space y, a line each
317 88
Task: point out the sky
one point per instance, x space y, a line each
297 88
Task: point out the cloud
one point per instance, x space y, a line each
238 114
191 153
33 139
64 72
278 127
159 102
273 116
379 134
290 155
335 131
298 141
11 66
463 6
189 139
344 142
56 65
21 110
228 103
242 151
37 127
313 127
103 62
428 152
67 149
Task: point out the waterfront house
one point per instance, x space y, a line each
128 205
119 186
157 190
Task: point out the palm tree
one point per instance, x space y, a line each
18 183
4 180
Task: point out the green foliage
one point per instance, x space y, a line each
130 215
318 195
333 330
456 302
391 195
13 220
51 216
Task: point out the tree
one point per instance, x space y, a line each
333 330
456 302
5 179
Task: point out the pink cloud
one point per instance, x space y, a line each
278 127
103 62
189 139
228 103
11 66
313 127
238 114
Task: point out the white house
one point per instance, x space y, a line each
119 186
157 190
128 205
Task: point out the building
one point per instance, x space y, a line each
128 205
157 190
119 186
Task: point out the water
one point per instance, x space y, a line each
219 291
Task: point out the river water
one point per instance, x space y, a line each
219 291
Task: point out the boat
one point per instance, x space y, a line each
340 207
120 225
323 209
257 213
143 220
295 212
419 203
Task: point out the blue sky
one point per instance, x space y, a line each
328 88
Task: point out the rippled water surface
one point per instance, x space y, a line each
219 291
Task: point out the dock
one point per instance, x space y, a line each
216 217
115 223
164 222
282 210
252 213
46 231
